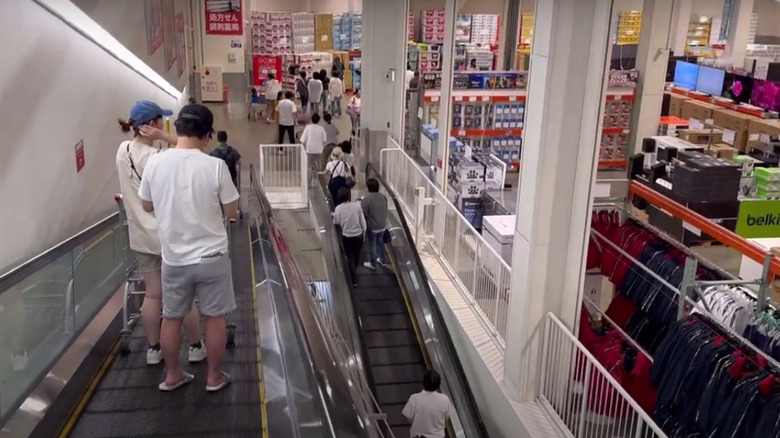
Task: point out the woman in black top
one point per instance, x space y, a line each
325 81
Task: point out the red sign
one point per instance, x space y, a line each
262 65
81 159
223 17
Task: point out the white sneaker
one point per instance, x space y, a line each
197 354
19 361
369 265
381 263
153 357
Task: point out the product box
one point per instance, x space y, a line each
734 121
675 104
703 136
767 173
694 109
721 150
763 130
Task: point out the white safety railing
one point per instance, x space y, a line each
284 175
574 389
478 268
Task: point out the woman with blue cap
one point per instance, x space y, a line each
146 123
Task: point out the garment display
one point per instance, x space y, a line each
763 331
729 305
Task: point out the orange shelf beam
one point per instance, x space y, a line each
719 233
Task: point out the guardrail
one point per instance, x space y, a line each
574 389
284 175
480 270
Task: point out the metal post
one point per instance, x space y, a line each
419 197
70 307
584 399
688 282
763 288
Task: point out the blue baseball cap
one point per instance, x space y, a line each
144 112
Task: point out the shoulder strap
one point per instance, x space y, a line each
130 158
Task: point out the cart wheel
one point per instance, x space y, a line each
231 336
124 344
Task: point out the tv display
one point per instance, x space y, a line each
710 80
738 88
766 95
685 75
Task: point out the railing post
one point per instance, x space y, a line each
304 173
763 288
688 282
419 213
70 305
584 400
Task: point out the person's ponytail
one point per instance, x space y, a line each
126 125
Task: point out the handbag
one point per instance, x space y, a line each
386 237
350 180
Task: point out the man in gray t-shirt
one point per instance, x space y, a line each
375 210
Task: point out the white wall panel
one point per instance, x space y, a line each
57 88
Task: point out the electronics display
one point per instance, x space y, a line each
710 80
766 95
685 75
738 88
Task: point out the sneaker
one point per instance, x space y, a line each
19 361
354 284
153 356
369 265
197 354
381 263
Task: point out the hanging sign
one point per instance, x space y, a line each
223 17
725 20
759 218
81 159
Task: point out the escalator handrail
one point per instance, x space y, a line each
472 407
19 273
334 384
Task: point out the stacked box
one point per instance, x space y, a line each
357 29
484 29
271 33
733 121
767 181
323 32
432 26
342 32
617 114
701 178
410 27
303 32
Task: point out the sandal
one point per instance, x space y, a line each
221 385
184 380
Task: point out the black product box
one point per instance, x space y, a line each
771 158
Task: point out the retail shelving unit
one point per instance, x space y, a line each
698 41
628 26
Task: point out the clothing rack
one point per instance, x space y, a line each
623 334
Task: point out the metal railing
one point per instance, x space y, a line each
579 394
284 175
478 268
328 327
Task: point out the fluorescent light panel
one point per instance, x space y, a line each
82 22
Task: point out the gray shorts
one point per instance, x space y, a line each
148 262
210 281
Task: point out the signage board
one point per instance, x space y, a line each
759 218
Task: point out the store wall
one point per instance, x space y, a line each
57 88
125 20
768 31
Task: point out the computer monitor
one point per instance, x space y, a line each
685 75
766 95
738 87
710 80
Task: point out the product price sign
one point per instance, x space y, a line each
759 218
81 159
223 17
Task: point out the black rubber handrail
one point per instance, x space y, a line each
35 264
371 172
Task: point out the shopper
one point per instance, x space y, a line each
338 173
338 68
353 109
190 193
315 93
272 89
301 87
286 109
324 99
336 92
415 82
230 156
254 106
314 138
375 210
146 123
429 410
331 131
347 156
349 216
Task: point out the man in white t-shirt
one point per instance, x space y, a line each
271 93
131 159
429 410
190 193
314 139
286 109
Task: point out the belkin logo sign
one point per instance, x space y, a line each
759 218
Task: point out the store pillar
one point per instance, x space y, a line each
444 124
681 20
652 61
510 30
738 31
567 83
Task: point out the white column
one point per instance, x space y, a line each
651 60
681 20
562 131
445 103
739 29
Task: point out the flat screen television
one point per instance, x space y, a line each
766 95
685 75
710 80
738 87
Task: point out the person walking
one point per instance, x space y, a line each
230 156
315 93
272 89
429 410
324 99
353 109
338 174
302 88
331 131
146 122
314 138
336 92
349 216
338 68
191 193
254 106
375 210
287 109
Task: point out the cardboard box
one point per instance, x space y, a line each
694 109
721 150
675 104
704 136
760 129
733 121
